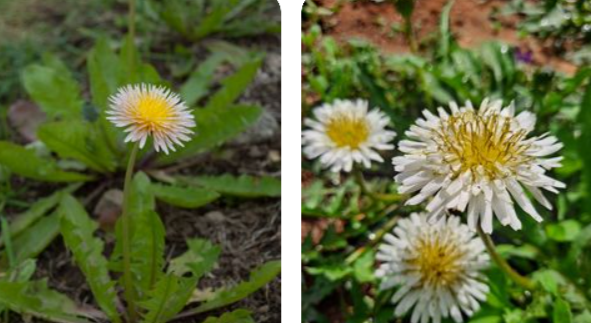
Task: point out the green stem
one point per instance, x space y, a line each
374 196
126 228
387 227
131 35
503 264
410 35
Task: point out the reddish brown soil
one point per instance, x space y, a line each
471 24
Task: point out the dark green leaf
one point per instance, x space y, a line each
186 197
242 186
78 232
26 163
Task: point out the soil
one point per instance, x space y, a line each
472 24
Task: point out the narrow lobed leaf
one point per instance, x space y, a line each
242 186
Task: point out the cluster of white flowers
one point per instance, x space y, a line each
479 161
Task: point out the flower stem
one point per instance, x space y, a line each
374 196
410 35
126 228
131 35
503 264
387 227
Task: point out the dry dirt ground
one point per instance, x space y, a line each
471 23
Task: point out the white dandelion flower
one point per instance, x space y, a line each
481 161
345 132
148 110
436 266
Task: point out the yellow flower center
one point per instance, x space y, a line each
152 112
437 262
474 140
347 131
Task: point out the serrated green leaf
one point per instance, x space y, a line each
234 85
236 316
26 163
31 242
242 186
186 197
53 88
168 298
197 86
213 129
36 299
561 312
198 260
258 278
78 140
78 232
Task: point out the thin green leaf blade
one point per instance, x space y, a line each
31 242
234 85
